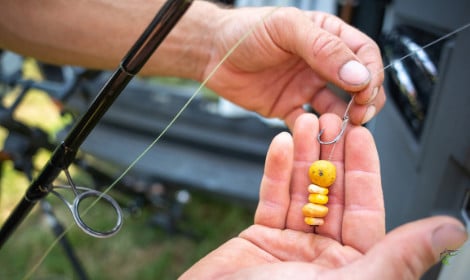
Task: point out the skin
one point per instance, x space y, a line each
286 62
352 243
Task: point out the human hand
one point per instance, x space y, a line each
285 63
352 242
289 60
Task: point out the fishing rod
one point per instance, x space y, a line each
65 153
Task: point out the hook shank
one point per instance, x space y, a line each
344 125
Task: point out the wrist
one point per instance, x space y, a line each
187 49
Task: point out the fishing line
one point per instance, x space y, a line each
442 38
184 107
155 141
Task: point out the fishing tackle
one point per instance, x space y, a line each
316 209
322 174
82 193
343 127
65 153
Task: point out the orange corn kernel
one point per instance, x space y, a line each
322 173
314 221
318 198
314 210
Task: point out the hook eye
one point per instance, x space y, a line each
84 226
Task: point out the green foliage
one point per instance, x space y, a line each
138 251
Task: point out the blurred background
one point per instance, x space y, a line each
198 186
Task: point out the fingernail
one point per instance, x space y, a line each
370 113
448 237
375 91
354 73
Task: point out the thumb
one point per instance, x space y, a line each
338 52
335 50
410 250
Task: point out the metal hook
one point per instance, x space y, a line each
79 197
336 139
343 127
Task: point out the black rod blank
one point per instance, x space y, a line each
65 153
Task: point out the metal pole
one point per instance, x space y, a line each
65 153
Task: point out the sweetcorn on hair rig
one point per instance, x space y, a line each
322 174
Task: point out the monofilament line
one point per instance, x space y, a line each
343 127
442 38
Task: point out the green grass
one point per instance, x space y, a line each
138 251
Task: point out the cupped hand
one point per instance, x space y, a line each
290 59
352 242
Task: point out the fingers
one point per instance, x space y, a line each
356 211
334 153
306 150
370 99
336 51
318 40
410 250
356 215
274 192
364 215
363 113
326 101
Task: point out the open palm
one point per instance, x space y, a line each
352 243
356 214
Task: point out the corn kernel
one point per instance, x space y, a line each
318 198
314 210
312 188
322 173
314 221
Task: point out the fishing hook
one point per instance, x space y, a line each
344 125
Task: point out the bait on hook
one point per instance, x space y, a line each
322 174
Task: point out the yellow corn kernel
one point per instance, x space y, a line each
318 198
314 210
312 188
314 221
322 173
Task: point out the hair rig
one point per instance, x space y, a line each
322 174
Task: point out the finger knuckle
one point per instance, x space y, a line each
325 45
